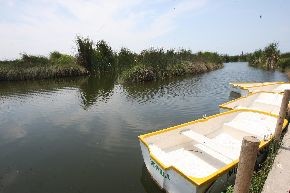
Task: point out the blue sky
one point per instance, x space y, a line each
225 26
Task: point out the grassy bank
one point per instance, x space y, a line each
156 64
261 173
148 65
101 60
270 58
40 67
141 73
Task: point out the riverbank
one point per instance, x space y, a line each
100 59
39 67
142 73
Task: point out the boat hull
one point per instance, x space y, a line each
172 182
238 90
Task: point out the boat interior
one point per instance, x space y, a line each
262 101
270 88
200 148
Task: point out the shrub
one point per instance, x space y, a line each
103 57
139 73
125 59
25 58
85 52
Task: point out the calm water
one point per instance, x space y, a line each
80 135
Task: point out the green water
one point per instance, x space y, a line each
80 135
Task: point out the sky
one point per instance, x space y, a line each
39 27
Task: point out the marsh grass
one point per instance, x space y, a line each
40 67
156 64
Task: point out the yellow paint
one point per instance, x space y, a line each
245 87
223 170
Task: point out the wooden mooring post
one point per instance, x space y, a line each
247 160
282 114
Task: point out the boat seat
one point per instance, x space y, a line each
272 102
213 153
249 126
183 160
211 144
266 107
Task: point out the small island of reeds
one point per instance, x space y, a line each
100 59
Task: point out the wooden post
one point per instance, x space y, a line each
288 112
247 160
282 114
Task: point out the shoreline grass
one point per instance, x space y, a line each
142 73
261 173
40 67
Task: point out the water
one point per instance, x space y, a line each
80 135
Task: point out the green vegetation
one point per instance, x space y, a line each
260 175
154 64
236 58
40 67
151 64
97 58
268 58
284 61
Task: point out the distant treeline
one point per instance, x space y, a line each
269 58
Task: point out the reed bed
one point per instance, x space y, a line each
40 67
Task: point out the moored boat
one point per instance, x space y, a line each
275 88
242 87
202 155
263 101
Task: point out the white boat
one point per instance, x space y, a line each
263 101
243 87
202 155
275 88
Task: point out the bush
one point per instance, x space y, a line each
103 57
25 58
139 73
125 59
85 52
284 63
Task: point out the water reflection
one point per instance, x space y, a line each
149 185
150 91
23 88
96 88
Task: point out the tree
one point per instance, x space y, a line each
104 59
272 54
85 52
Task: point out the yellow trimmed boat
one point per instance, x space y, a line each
243 87
263 101
202 155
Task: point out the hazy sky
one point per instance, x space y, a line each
225 26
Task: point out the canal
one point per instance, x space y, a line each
79 135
